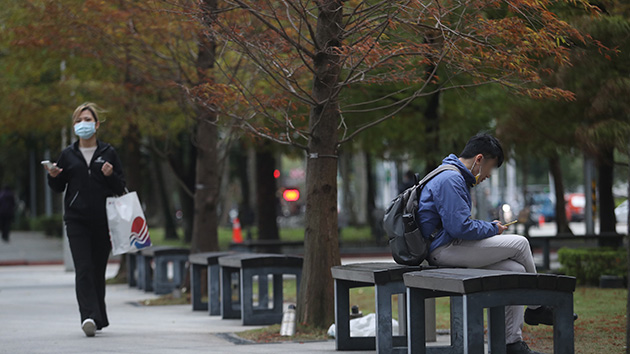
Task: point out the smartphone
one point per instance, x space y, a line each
511 223
49 165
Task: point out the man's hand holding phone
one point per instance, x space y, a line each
504 227
52 168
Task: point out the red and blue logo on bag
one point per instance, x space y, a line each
140 233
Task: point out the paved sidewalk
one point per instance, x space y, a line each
31 247
39 314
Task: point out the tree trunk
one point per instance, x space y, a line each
374 216
266 198
628 275
245 212
183 163
170 230
432 131
605 167
561 216
527 208
345 170
133 178
189 172
321 245
205 235
525 182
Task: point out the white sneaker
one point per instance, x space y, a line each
89 327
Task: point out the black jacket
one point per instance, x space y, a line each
87 187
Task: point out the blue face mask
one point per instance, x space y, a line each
85 130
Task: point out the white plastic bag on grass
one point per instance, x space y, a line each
364 327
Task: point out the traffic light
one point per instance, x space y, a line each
291 194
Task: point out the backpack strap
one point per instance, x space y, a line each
412 203
437 171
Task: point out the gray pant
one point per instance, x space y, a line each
500 252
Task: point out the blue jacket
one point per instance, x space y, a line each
445 204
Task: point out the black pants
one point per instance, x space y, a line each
90 246
5 227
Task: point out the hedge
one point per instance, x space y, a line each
588 264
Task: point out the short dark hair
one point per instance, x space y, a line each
485 144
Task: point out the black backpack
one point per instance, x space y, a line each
408 245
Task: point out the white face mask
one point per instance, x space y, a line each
85 130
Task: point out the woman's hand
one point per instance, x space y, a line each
53 172
107 169
501 227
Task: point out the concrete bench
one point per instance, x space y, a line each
387 280
245 267
491 289
132 269
210 262
156 279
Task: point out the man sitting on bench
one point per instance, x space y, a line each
460 241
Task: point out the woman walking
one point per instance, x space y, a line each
88 171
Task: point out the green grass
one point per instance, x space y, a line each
349 235
157 238
599 329
271 334
168 299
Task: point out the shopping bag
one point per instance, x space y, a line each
128 229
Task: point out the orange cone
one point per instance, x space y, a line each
237 236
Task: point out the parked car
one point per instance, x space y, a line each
543 204
621 212
574 206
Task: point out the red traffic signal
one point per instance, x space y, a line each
291 195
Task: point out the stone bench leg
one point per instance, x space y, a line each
263 315
563 330
141 271
416 323
229 308
343 340
496 329
214 290
384 342
562 302
145 272
148 274
263 290
473 325
195 288
161 283
131 270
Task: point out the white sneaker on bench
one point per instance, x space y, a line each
89 327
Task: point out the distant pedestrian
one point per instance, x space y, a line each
7 211
88 171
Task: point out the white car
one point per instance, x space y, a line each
621 212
